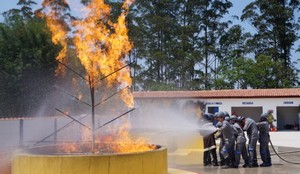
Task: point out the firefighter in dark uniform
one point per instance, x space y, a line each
221 144
240 147
228 133
250 127
227 118
206 123
264 139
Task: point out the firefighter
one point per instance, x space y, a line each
227 118
228 133
240 147
264 139
270 120
206 124
250 127
221 144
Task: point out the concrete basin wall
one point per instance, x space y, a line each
150 162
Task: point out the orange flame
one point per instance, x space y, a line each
58 28
101 50
101 46
126 143
122 142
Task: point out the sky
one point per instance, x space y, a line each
238 6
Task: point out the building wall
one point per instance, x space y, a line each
285 110
265 103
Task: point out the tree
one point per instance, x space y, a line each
276 34
232 52
27 62
212 11
174 37
154 23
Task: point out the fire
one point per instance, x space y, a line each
114 141
59 30
121 141
101 47
69 148
101 44
126 143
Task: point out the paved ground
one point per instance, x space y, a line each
287 144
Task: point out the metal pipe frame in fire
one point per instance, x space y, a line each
91 82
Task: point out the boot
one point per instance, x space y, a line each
264 158
222 160
251 160
227 164
214 156
246 165
265 165
206 159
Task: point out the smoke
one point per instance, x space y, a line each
173 124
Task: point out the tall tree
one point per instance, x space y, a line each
232 53
154 23
212 11
174 37
276 34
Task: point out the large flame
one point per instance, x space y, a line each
58 28
101 46
122 141
112 141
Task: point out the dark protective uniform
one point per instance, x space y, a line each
264 139
208 142
228 133
240 147
221 145
252 133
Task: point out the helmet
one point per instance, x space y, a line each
226 113
233 117
216 114
264 115
227 118
208 117
240 118
221 114
263 118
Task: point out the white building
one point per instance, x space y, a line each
285 103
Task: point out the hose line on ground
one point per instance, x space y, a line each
280 156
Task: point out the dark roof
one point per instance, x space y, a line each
233 93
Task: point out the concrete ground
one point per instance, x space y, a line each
287 144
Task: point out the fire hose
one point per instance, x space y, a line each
280 156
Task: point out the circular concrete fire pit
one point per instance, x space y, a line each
35 162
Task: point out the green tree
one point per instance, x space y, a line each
232 52
276 34
26 62
154 23
174 37
211 11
